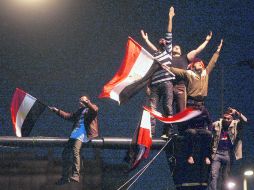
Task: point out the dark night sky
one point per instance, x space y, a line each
58 51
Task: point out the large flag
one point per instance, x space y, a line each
185 115
136 69
144 140
25 110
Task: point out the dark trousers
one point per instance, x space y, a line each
191 138
71 158
180 97
161 92
221 161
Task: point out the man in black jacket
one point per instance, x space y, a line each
85 128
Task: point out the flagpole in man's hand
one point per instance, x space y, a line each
54 109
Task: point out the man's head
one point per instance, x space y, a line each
227 119
83 101
177 50
162 43
197 65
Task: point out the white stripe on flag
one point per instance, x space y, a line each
193 114
140 68
24 109
146 120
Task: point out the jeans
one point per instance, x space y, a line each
71 157
162 91
220 161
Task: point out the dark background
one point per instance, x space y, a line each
61 50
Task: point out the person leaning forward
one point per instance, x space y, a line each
85 128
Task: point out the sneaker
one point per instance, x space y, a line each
167 136
164 136
74 179
63 181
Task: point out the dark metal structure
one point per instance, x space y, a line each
185 176
102 142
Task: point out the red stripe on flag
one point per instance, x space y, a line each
132 52
144 137
174 118
17 100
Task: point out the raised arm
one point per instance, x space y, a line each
192 54
239 114
171 14
214 58
149 44
168 36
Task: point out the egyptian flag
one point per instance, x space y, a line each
185 115
144 140
136 68
25 110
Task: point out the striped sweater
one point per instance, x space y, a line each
164 58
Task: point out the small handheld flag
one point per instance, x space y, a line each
25 110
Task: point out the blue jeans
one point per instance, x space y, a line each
161 92
221 160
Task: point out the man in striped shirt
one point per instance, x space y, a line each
161 86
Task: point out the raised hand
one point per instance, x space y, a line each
220 46
84 99
171 12
144 35
209 36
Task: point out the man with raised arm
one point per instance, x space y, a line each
161 86
180 61
226 143
85 127
197 89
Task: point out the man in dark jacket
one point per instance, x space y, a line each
85 127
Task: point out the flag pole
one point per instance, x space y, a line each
44 104
142 170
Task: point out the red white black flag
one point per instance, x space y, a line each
185 115
136 69
25 110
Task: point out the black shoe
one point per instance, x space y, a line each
63 181
74 179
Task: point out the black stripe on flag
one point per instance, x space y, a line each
31 118
134 88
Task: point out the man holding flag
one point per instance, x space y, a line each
85 127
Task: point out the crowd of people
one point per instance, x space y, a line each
182 80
